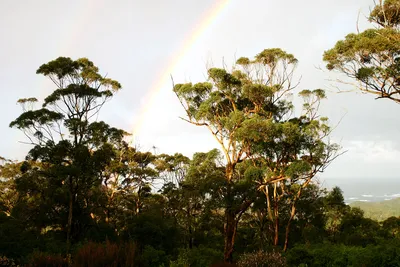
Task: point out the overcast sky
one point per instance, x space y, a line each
134 41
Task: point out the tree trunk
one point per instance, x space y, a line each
230 232
276 219
190 237
189 219
69 227
230 223
292 213
276 230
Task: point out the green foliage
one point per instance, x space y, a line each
335 210
17 240
197 257
391 226
371 57
152 257
248 111
64 68
9 171
60 184
262 259
152 229
386 15
358 231
385 254
36 118
273 56
379 210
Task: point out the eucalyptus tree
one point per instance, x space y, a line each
250 114
71 145
173 168
289 153
127 179
196 200
371 58
9 171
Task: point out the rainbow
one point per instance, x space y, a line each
199 29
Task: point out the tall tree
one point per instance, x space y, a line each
242 109
371 57
290 152
71 145
191 201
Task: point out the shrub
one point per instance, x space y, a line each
337 255
108 254
262 259
41 259
223 264
299 255
4 261
197 257
152 257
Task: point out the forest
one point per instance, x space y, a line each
85 196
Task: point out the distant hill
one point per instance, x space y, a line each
379 210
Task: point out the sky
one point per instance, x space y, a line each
135 42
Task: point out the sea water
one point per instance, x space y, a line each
365 189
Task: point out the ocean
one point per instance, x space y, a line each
365 189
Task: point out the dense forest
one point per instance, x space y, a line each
379 211
85 196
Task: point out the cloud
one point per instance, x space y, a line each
374 152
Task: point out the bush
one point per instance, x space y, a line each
223 264
262 259
299 255
152 257
15 241
4 261
336 255
108 254
41 259
197 257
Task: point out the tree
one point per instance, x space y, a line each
173 168
392 226
290 152
247 111
371 57
335 209
72 147
9 171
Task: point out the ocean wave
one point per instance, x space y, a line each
392 196
364 200
352 198
367 195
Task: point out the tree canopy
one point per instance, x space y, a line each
371 57
249 112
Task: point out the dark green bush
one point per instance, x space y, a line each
197 257
151 256
262 259
336 255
